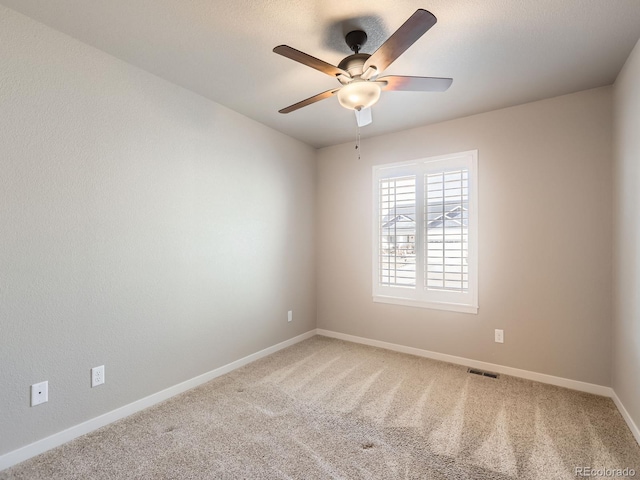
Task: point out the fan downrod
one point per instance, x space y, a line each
356 39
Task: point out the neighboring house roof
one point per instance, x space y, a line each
402 219
405 221
451 218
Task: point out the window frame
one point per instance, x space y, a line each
420 296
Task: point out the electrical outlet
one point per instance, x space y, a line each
290 316
499 336
97 376
39 393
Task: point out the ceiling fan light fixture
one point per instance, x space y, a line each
358 73
359 94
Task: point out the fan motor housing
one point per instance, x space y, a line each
354 63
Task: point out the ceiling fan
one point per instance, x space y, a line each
358 73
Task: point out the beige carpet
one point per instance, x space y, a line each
331 409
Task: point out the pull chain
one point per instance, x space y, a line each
358 141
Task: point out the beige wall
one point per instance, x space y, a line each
544 238
142 226
626 297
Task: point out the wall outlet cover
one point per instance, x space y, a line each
39 393
97 376
499 336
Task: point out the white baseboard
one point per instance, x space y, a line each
627 418
40 446
492 367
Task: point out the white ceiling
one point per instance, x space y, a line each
499 52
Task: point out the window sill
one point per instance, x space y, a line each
452 307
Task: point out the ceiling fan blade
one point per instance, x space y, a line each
309 101
363 116
410 31
415 84
309 61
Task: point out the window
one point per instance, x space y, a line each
425 233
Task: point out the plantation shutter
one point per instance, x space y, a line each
425 232
397 232
447 230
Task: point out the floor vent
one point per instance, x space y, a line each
482 373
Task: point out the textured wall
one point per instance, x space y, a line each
142 226
626 323
544 238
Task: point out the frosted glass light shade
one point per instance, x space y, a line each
358 95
